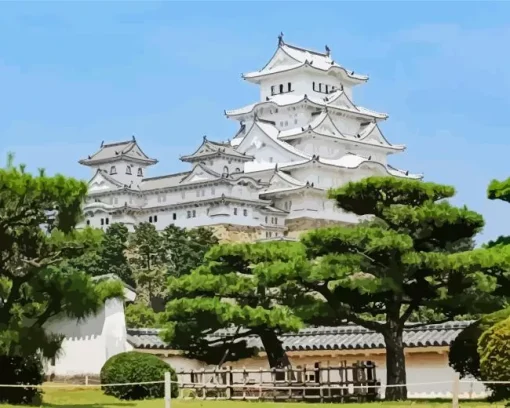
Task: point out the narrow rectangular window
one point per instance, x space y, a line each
102 221
189 214
155 218
174 216
88 222
150 218
320 87
245 213
107 221
235 211
272 89
327 86
289 86
313 86
194 213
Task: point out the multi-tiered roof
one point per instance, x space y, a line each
362 141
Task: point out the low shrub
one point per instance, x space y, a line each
134 367
21 370
494 351
463 356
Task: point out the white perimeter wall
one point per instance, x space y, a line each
89 343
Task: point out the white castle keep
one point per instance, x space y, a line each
304 136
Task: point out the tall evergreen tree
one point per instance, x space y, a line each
37 219
113 253
229 292
378 274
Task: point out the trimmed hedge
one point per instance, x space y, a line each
463 356
133 367
494 351
21 370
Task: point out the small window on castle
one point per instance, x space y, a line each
266 219
88 222
102 221
140 172
281 88
174 216
245 213
107 221
313 86
276 220
332 88
113 170
276 110
189 214
238 170
225 170
235 211
289 86
320 87
128 169
150 218
155 218
327 86
194 213
272 89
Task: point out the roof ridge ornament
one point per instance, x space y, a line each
102 143
280 39
133 138
205 138
328 51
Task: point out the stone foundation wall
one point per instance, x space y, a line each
298 226
228 233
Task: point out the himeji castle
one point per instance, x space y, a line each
270 181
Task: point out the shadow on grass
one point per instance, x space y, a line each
92 405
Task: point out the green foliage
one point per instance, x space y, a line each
463 355
141 316
400 264
37 236
112 255
186 248
499 190
137 367
229 291
21 370
494 351
149 263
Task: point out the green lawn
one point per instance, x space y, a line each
93 398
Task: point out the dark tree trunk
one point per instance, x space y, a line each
276 355
395 363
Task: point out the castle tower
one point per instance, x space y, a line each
307 125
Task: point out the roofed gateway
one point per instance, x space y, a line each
304 136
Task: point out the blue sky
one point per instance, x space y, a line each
73 74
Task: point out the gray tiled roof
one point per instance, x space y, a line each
349 337
128 149
209 148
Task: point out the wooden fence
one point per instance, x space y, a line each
356 382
